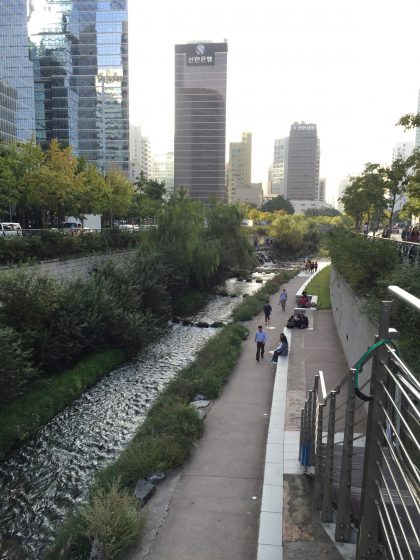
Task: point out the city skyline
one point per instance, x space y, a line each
349 68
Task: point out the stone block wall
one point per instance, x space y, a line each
355 330
65 270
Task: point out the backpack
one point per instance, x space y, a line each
304 322
291 322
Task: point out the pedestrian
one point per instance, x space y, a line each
267 311
316 266
283 299
282 349
312 267
366 228
304 301
415 235
260 339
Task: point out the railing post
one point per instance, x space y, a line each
367 544
326 512
302 431
343 521
309 441
313 419
318 459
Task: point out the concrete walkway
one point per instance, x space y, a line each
211 509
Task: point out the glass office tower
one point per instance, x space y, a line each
80 55
303 162
17 119
200 120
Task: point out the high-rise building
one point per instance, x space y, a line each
402 150
322 187
200 120
17 114
163 170
303 162
80 55
140 153
239 166
279 167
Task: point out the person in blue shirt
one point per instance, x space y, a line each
260 339
282 349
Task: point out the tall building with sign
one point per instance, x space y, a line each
17 113
200 120
303 162
80 55
239 166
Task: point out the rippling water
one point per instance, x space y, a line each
45 477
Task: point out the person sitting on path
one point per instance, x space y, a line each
267 311
282 349
260 339
283 299
304 301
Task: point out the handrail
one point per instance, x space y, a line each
409 299
384 451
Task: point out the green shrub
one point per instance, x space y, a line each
112 517
362 263
16 370
72 541
21 419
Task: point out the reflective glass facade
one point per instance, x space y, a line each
303 162
200 120
16 72
80 55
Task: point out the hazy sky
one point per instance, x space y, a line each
353 68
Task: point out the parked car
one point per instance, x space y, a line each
10 228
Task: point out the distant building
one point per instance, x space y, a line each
402 150
303 162
163 170
300 206
140 153
17 105
279 167
344 183
8 112
79 50
253 194
417 142
200 120
322 187
239 166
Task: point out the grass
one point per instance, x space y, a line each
320 286
21 419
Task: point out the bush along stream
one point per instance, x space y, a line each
47 477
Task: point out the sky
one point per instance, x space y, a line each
352 68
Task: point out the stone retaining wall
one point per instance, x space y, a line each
355 330
65 270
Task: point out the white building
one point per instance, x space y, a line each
279 167
252 193
140 153
238 173
163 170
402 150
341 190
301 206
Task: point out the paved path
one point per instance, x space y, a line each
212 506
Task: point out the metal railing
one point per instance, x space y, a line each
361 440
408 251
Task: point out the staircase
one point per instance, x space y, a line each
361 443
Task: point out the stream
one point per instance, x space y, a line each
51 474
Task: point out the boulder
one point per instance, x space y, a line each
202 325
144 490
200 404
156 477
199 397
217 325
186 323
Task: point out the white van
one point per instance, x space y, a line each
10 228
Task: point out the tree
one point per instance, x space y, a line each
278 203
396 178
120 194
92 192
322 212
151 188
365 197
409 121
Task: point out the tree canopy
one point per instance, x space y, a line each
278 203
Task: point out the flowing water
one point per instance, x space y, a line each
51 474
